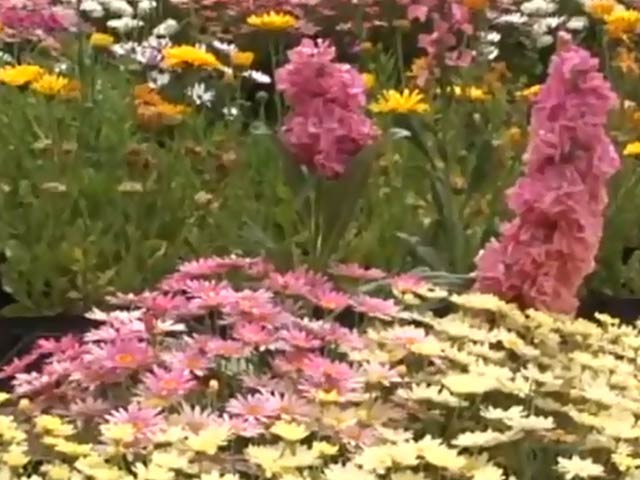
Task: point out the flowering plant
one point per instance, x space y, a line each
487 392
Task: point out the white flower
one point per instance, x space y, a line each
230 112
166 28
224 47
512 19
145 7
5 58
577 23
486 439
124 24
158 78
258 77
538 7
200 95
531 422
120 7
544 41
92 8
576 467
61 67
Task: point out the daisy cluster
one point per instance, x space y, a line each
534 21
230 370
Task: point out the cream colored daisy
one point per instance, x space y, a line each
485 439
576 467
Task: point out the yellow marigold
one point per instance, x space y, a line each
476 4
600 8
394 101
632 149
182 56
101 40
20 75
627 61
52 85
272 21
470 92
622 22
242 59
369 80
529 93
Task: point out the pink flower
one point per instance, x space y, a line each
299 339
168 384
544 253
329 299
254 334
146 421
326 127
375 307
261 406
353 270
125 354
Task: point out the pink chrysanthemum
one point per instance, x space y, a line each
353 270
544 254
167 384
261 406
327 126
375 307
125 354
146 421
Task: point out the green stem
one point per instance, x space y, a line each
400 55
274 64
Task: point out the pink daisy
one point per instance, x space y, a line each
227 348
252 333
353 270
193 417
299 339
126 354
261 406
328 299
168 384
146 421
375 307
191 360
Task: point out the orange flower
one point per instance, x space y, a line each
476 4
242 59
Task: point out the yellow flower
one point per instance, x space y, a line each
101 40
576 467
369 80
181 56
600 8
4 396
118 432
266 457
394 101
209 440
52 425
171 460
242 59
325 448
632 149
20 75
627 61
622 22
57 471
15 456
292 432
272 21
52 85
529 93
470 92
476 4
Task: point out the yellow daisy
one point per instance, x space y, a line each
394 101
20 75
181 56
272 21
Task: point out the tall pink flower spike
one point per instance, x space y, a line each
543 255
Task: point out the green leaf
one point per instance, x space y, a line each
338 200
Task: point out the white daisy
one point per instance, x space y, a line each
258 77
124 24
224 47
92 8
166 28
200 95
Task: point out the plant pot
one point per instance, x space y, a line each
627 309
